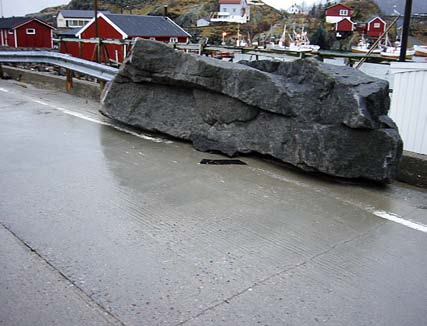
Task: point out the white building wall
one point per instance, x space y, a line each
334 19
202 22
60 21
232 9
408 105
233 13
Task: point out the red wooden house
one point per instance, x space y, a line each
337 12
344 25
375 27
123 27
26 32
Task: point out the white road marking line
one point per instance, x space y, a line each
379 213
85 117
104 123
397 219
41 102
81 116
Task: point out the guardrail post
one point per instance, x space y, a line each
1 71
102 85
349 62
318 57
69 82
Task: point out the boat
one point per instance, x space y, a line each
299 42
420 50
364 47
393 52
222 55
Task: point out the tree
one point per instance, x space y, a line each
320 38
312 12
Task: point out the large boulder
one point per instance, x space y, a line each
315 116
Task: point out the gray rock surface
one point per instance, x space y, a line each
315 116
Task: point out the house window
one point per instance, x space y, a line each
76 23
343 12
31 31
173 40
152 38
377 25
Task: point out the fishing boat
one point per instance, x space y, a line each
393 52
364 47
420 50
222 55
298 42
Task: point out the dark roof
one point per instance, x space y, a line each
12 21
69 32
80 13
137 25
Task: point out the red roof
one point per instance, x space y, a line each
338 5
222 2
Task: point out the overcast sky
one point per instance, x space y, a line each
23 7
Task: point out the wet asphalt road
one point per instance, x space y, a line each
102 227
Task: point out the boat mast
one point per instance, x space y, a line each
405 31
283 37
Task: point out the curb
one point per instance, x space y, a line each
413 169
81 88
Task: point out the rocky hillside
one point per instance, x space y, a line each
362 10
183 12
266 22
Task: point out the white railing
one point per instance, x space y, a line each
409 104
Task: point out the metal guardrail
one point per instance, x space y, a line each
89 68
192 47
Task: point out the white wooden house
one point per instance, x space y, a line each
232 11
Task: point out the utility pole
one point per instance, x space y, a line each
1 8
238 34
98 46
405 31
